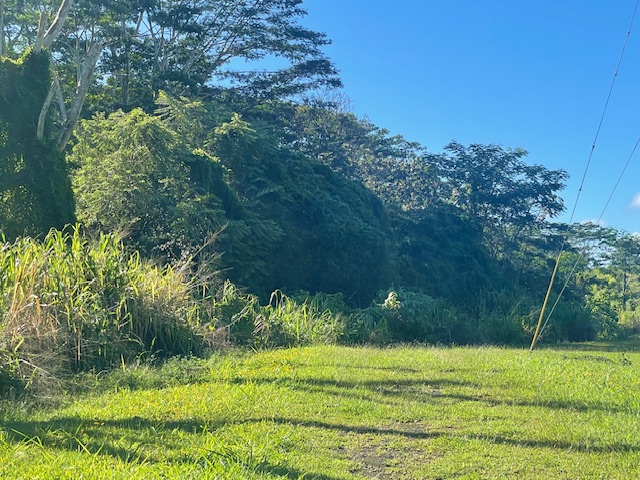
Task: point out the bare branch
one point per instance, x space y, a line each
3 47
63 109
41 31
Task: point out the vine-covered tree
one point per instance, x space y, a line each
35 192
178 45
288 222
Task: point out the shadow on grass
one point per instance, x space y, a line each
140 440
421 435
631 344
347 366
617 447
97 437
424 390
289 472
396 392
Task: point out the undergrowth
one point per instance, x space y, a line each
70 303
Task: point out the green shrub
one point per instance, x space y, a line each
573 322
413 316
368 325
233 316
499 328
238 318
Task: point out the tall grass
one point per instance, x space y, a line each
284 321
293 322
68 303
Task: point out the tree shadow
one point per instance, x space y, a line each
617 447
103 436
98 436
389 392
626 345
425 390
348 366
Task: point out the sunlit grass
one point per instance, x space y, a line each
342 413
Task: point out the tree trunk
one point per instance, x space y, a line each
3 45
45 39
624 290
81 93
126 69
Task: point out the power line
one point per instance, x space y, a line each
584 176
583 254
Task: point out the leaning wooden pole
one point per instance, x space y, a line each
544 304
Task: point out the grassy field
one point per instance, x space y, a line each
344 413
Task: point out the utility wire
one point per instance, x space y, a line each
604 110
583 254
584 176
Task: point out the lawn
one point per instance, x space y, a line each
343 413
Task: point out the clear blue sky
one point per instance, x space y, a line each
533 74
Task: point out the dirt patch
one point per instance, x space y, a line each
389 456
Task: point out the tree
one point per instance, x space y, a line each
595 243
625 261
34 184
334 230
288 222
26 27
157 38
132 175
320 128
506 198
599 270
182 46
35 192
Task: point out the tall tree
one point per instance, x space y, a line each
625 261
256 47
319 127
506 197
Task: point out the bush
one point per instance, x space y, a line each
572 322
233 316
238 318
414 316
368 325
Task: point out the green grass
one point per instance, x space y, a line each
344 413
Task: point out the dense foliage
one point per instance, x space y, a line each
35 192
191 154
286 221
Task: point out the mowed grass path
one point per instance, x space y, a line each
345 413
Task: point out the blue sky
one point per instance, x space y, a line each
533 74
